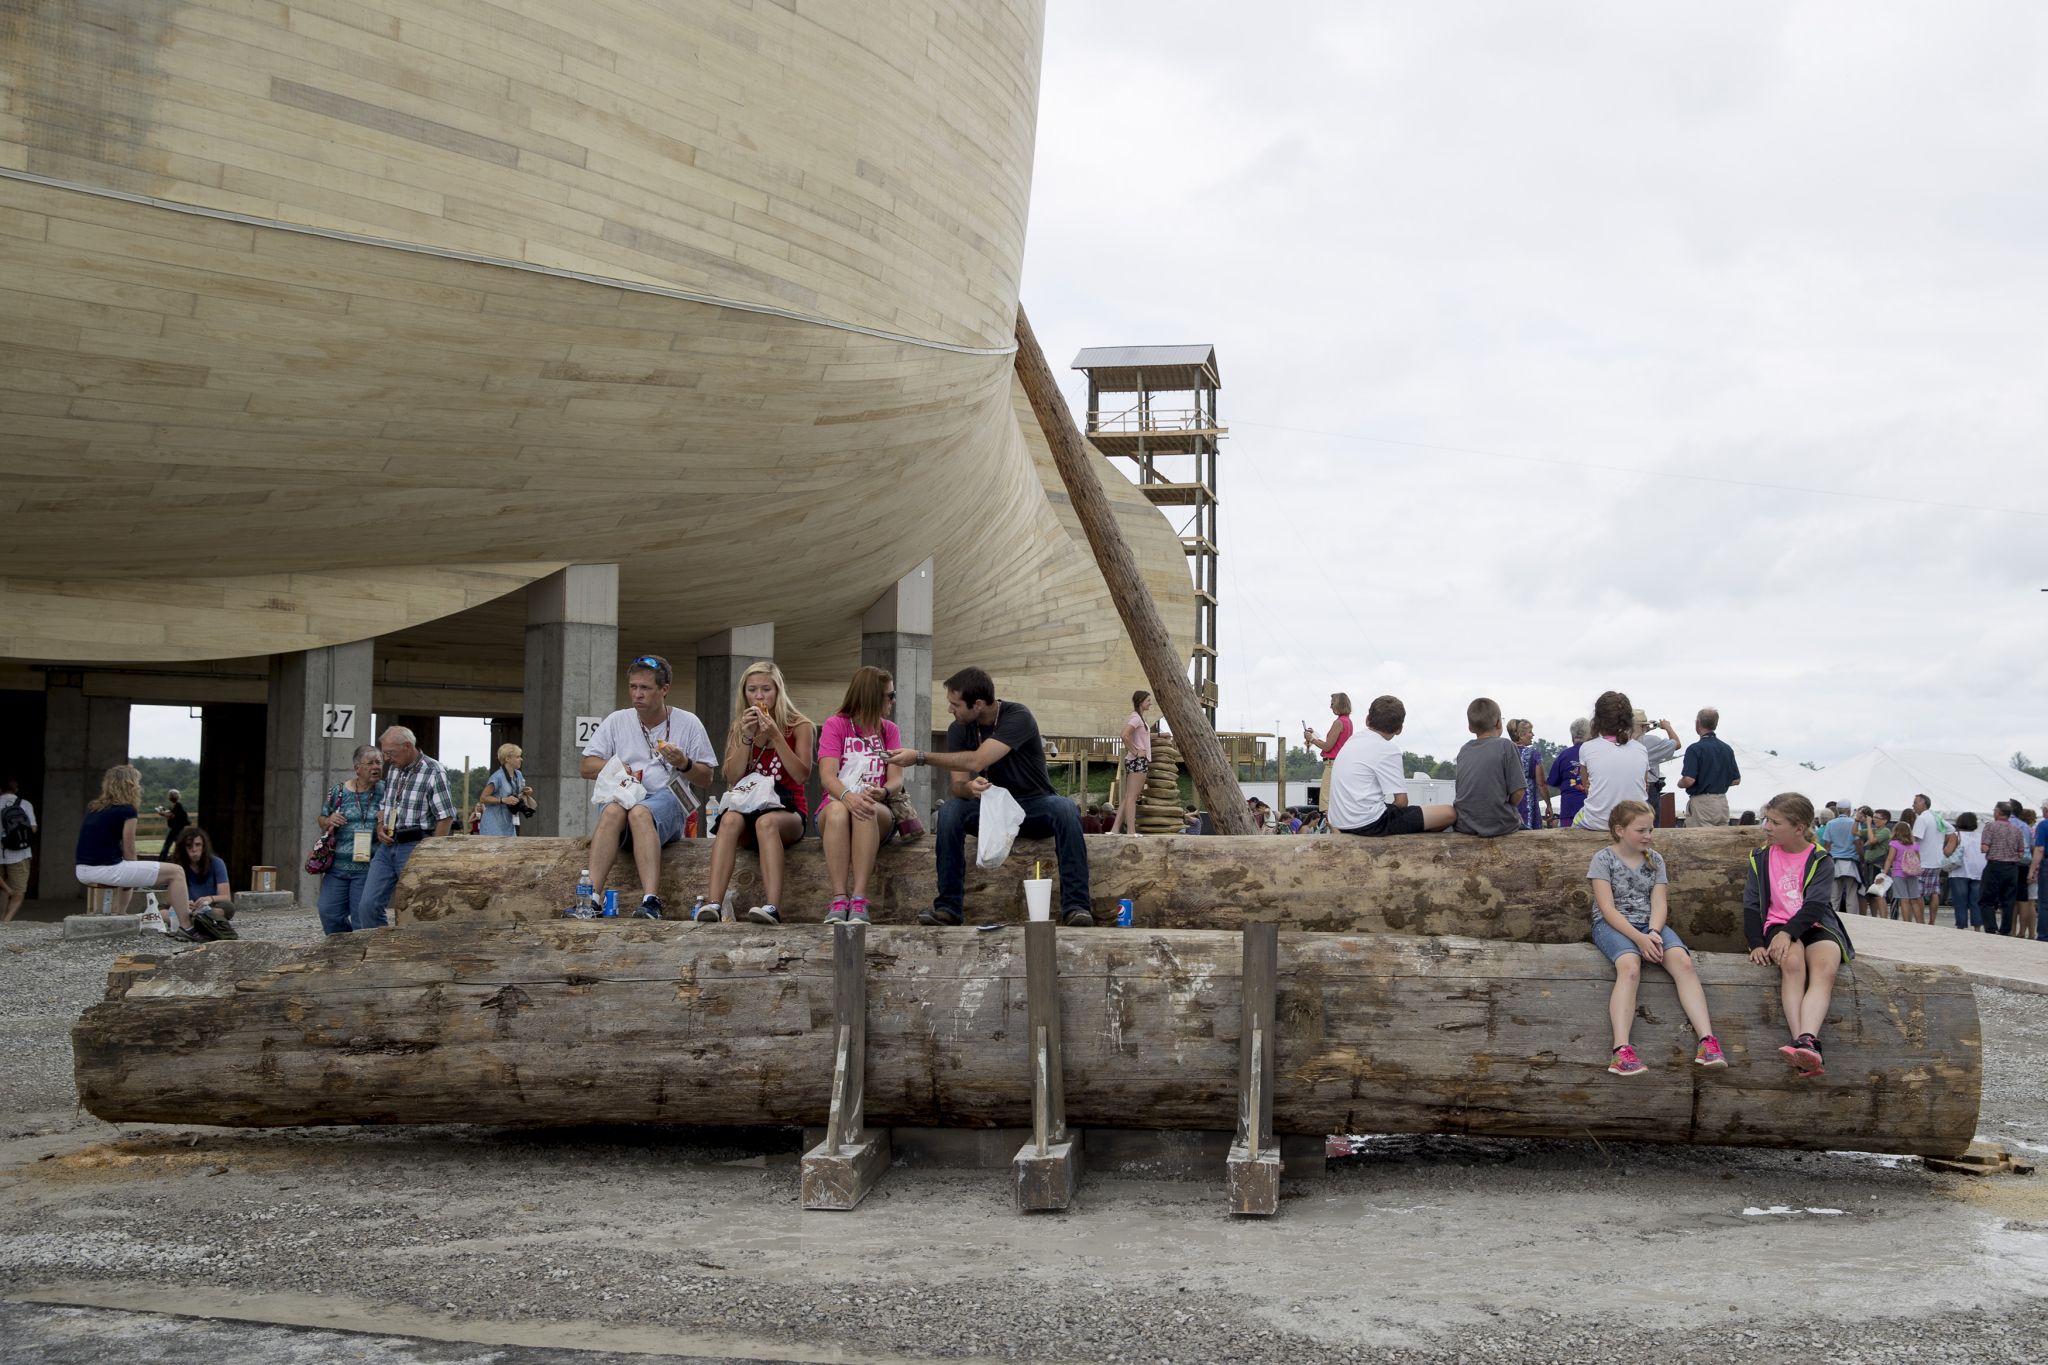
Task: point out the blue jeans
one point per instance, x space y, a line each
1052 815
340 893
1962 894
385 864
2040 899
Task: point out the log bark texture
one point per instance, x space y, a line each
636 1022
1528 888
1200 750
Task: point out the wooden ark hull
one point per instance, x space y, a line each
417 303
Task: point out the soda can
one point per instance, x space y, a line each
1126 912
611 902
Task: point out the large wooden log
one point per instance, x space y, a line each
636 1022
1529 888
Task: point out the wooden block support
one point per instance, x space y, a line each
1048 1167
262 878
1254 1161
841 1169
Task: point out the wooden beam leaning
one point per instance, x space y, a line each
1048 1167
843 1167
1214 778
1254 1161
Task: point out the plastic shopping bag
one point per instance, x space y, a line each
1001 817
614 783
755 791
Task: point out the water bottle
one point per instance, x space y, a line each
580 908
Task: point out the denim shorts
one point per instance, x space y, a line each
668 816
1618 945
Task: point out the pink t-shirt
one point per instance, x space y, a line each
862 761
1343 738
1139 744
1788 885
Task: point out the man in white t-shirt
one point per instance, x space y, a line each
1369 791
14 861
1930 832
658 744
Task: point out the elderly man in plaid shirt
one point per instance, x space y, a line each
416 806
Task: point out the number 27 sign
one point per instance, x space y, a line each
337 721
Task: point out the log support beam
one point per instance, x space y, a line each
1254 1161
841 1169
1048 1167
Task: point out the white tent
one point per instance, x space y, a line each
1953 782
1764 775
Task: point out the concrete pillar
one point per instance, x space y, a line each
308 747
896 634
82 738
721 659
572 670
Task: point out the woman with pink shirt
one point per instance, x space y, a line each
855 820
1332 744
1137 762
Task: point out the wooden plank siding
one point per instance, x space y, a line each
296 440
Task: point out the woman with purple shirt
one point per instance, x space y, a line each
1522 733
1567 778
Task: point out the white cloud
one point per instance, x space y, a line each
1781 247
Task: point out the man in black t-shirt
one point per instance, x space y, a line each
996 744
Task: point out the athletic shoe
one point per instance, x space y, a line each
1626 1063
1802 1054
764 914
582 911
705 913
1708 1053
938 917
837 914
857 911
650 907
1078 919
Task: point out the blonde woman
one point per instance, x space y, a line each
1332 744
106 849
1137 762
771 737
854 820
503 793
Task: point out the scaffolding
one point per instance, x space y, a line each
1173 445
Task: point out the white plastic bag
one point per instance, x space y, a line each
614 783
1001 818
755 791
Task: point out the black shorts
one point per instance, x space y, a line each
1394 820
751 817
1828 930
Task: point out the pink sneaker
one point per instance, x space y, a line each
1626 1063
1708 1053
840 907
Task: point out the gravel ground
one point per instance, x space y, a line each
687 1242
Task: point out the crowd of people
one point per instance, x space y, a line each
654 758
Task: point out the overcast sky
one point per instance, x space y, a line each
1797 252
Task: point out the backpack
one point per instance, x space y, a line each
14 827
1909 860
